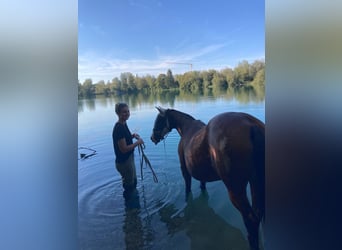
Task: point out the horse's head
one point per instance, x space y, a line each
161 126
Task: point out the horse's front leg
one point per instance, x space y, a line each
185 172
187 179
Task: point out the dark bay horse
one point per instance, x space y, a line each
231 148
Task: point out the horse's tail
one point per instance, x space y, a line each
258 140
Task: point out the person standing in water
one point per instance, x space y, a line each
124 149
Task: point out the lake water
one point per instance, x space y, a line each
162 219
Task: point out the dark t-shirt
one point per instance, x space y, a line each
121 131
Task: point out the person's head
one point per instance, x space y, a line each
122 110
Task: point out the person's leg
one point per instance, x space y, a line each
128 175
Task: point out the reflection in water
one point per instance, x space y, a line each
138 231
88 103
80 106
133 230
133 227
246 94
205 229
132 201
103 102
243 94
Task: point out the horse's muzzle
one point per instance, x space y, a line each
154 140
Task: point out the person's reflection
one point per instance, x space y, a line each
132 201
133 228
205 229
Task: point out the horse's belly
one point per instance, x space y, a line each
202 171
198 160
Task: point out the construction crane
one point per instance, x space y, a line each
190 64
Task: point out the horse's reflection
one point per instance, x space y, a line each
205 229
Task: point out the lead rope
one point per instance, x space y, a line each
143 159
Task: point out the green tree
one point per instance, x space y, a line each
116 84
124 81
196 82
132 86
242 72
259 78
151 81
184 81
229 76
99 87
88 88
141 83
207 77
161 81
169 80
255 67
79 89
192 81
219 81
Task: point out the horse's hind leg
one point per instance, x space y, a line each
251 221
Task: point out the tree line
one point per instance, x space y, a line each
244 74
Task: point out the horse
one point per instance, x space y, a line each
230 148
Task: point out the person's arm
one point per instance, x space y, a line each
124 148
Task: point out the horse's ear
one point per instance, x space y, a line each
161 110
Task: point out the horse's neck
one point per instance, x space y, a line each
181 121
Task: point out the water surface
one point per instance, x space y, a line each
161 218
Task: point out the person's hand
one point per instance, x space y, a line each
135 135
140 141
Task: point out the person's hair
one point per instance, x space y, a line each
119 106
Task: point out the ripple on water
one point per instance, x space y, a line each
104 197
98 198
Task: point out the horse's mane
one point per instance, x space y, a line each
184 114
183 117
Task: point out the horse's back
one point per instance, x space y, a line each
232 119
234 125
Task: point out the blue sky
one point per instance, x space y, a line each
151 36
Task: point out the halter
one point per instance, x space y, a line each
166 127
167 124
